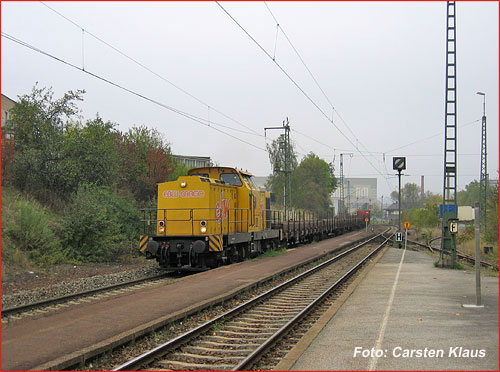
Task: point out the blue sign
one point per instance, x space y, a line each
450 208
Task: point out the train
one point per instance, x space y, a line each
217 215
364 214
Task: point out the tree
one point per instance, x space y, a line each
491 231
427 216
8 156
91 154
38 123
313 182
146 161
280 163
410 196
470 195
179 170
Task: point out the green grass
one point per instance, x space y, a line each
273 252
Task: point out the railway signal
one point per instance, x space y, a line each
399 164
399 236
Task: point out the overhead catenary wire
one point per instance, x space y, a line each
427 138
210 107
317 84
299 87
298 55
170 108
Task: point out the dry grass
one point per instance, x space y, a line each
469 247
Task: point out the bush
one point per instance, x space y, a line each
29 227
465 235
100 225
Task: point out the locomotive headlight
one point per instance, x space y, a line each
203 223
183 184
161 225
203 229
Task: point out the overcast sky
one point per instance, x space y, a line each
381 65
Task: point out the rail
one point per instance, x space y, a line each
460 255
57 300
161 350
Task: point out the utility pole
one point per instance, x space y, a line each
341 201
483 179
448 238
348 196
287 163
342 210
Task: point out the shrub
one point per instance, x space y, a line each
30 228
100 224
465 235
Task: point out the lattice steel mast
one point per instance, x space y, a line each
448 242
483 180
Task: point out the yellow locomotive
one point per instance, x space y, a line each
211 216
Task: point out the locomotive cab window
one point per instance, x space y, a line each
249 180
231 179
200 175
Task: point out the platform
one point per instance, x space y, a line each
423 327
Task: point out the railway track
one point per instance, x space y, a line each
26 310
460 255
237 339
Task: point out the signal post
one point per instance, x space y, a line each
399 164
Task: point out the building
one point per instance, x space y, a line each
359 194
193 161
7 104
392 213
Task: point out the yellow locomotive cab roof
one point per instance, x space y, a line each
218 170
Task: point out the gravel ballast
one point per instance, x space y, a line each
29 287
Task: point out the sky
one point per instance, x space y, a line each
378 89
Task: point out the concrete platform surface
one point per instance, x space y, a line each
425 327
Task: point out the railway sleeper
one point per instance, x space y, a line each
224 346
248 322
288 302
251 329
243 352
182 366
241 334
258 322
261 314
233 340
283 310
198 359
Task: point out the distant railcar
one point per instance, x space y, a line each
363 215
